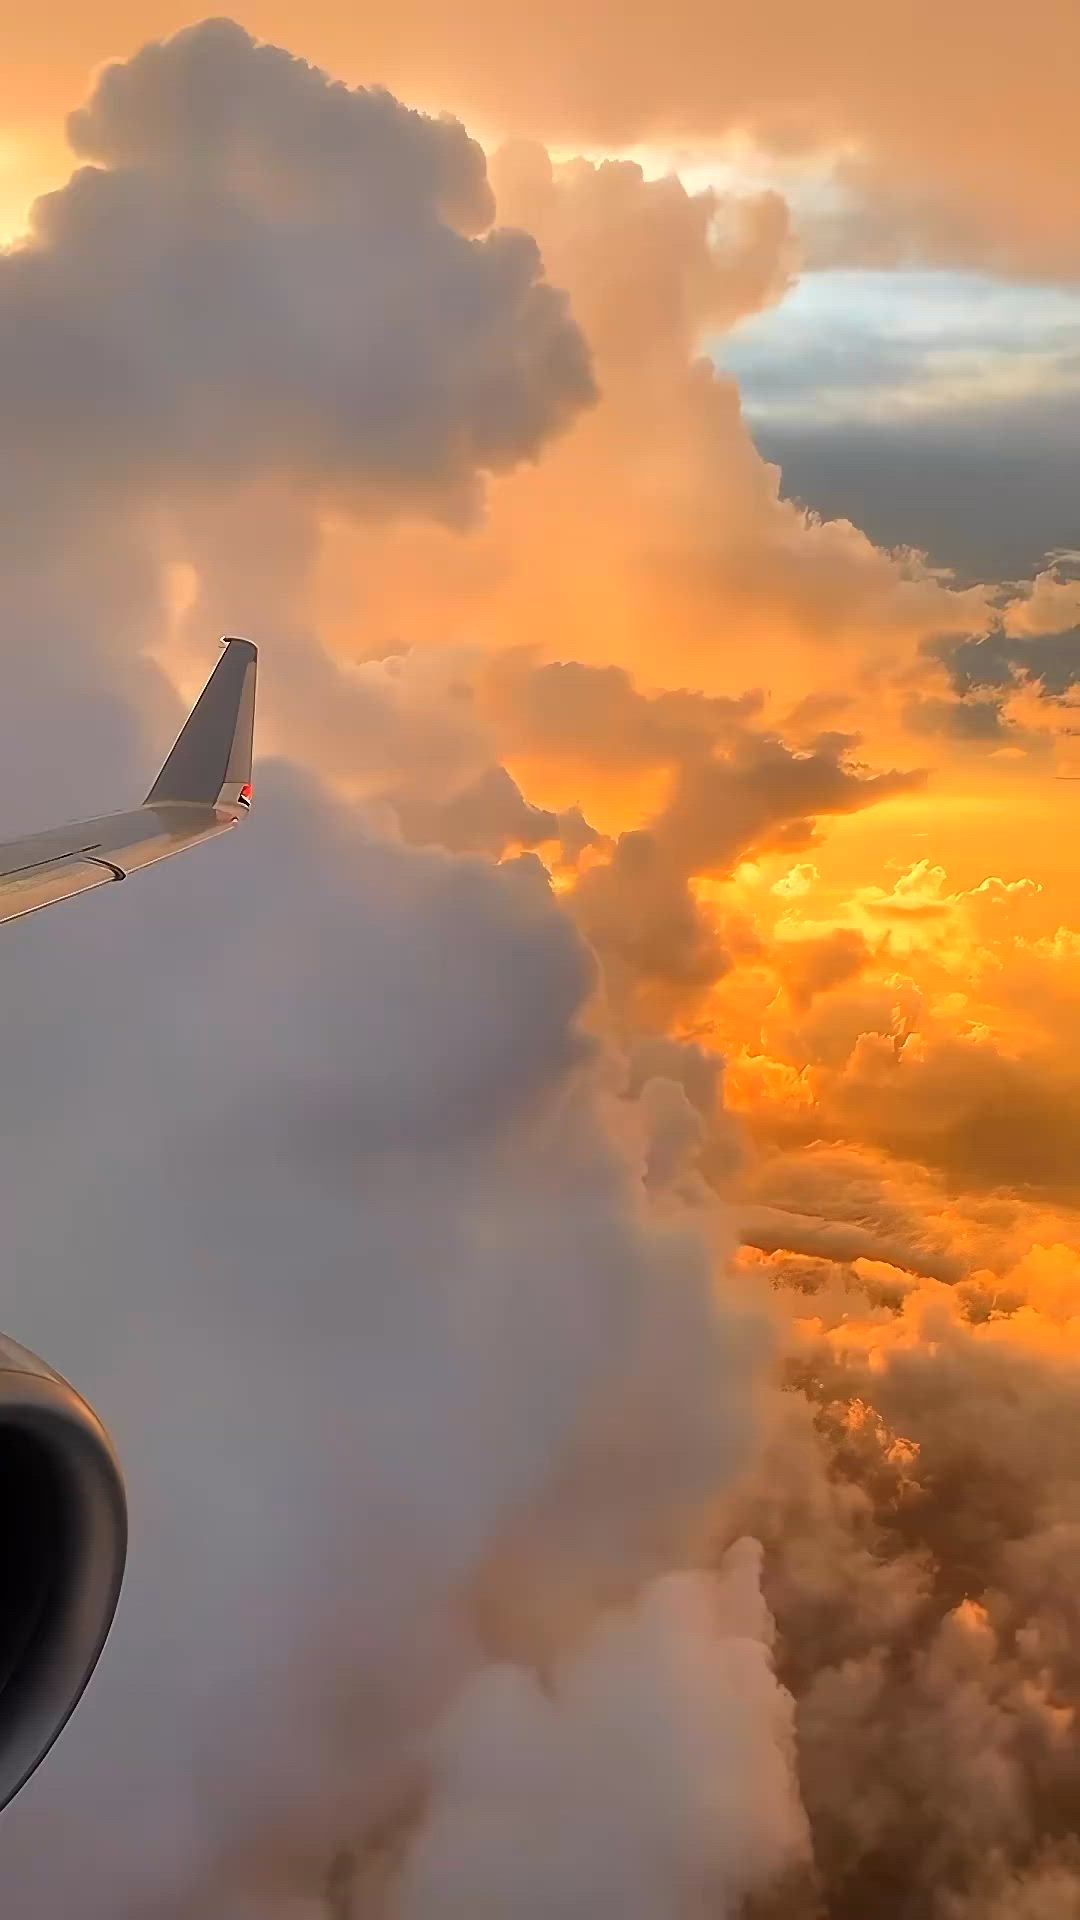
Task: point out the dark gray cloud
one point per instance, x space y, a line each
936 410
986 491
998 659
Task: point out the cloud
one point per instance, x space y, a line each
915 1510
323 1295
965 1106
815 965
639 912
655 521
492 815
978 668
972 722
597 716
984 490
362 1192
979 171
893 347
797 881
779 1230
961 1062
945 173
852 1203
729 790
765 797
213 105
318 1177
344 331
698 1771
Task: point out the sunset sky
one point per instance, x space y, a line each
645 444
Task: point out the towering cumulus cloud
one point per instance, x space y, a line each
318 1175
271 269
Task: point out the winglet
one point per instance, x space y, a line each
210 765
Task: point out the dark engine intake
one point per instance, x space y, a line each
62 1549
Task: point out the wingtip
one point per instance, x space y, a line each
210 764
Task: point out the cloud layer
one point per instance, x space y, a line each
371 1170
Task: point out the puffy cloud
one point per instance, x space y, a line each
640 909
814 965
943 1046
656 522
639 912
699 1799
700 259
407 1301
385 1288
1015 684
847 87
377 1280
765 797
964 1105
797 881
965 155
1052 606
594 716
988 1105
212 105
916 1513
723 789
269 271
965 158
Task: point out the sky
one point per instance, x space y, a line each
572 1216
936 408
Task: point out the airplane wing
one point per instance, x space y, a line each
203 789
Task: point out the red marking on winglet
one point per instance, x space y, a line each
244 795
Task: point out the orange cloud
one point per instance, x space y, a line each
654 537
960 132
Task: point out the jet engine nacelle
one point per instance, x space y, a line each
63 1542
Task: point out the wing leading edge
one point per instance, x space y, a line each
203 790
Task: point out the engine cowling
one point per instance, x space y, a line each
63 1546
